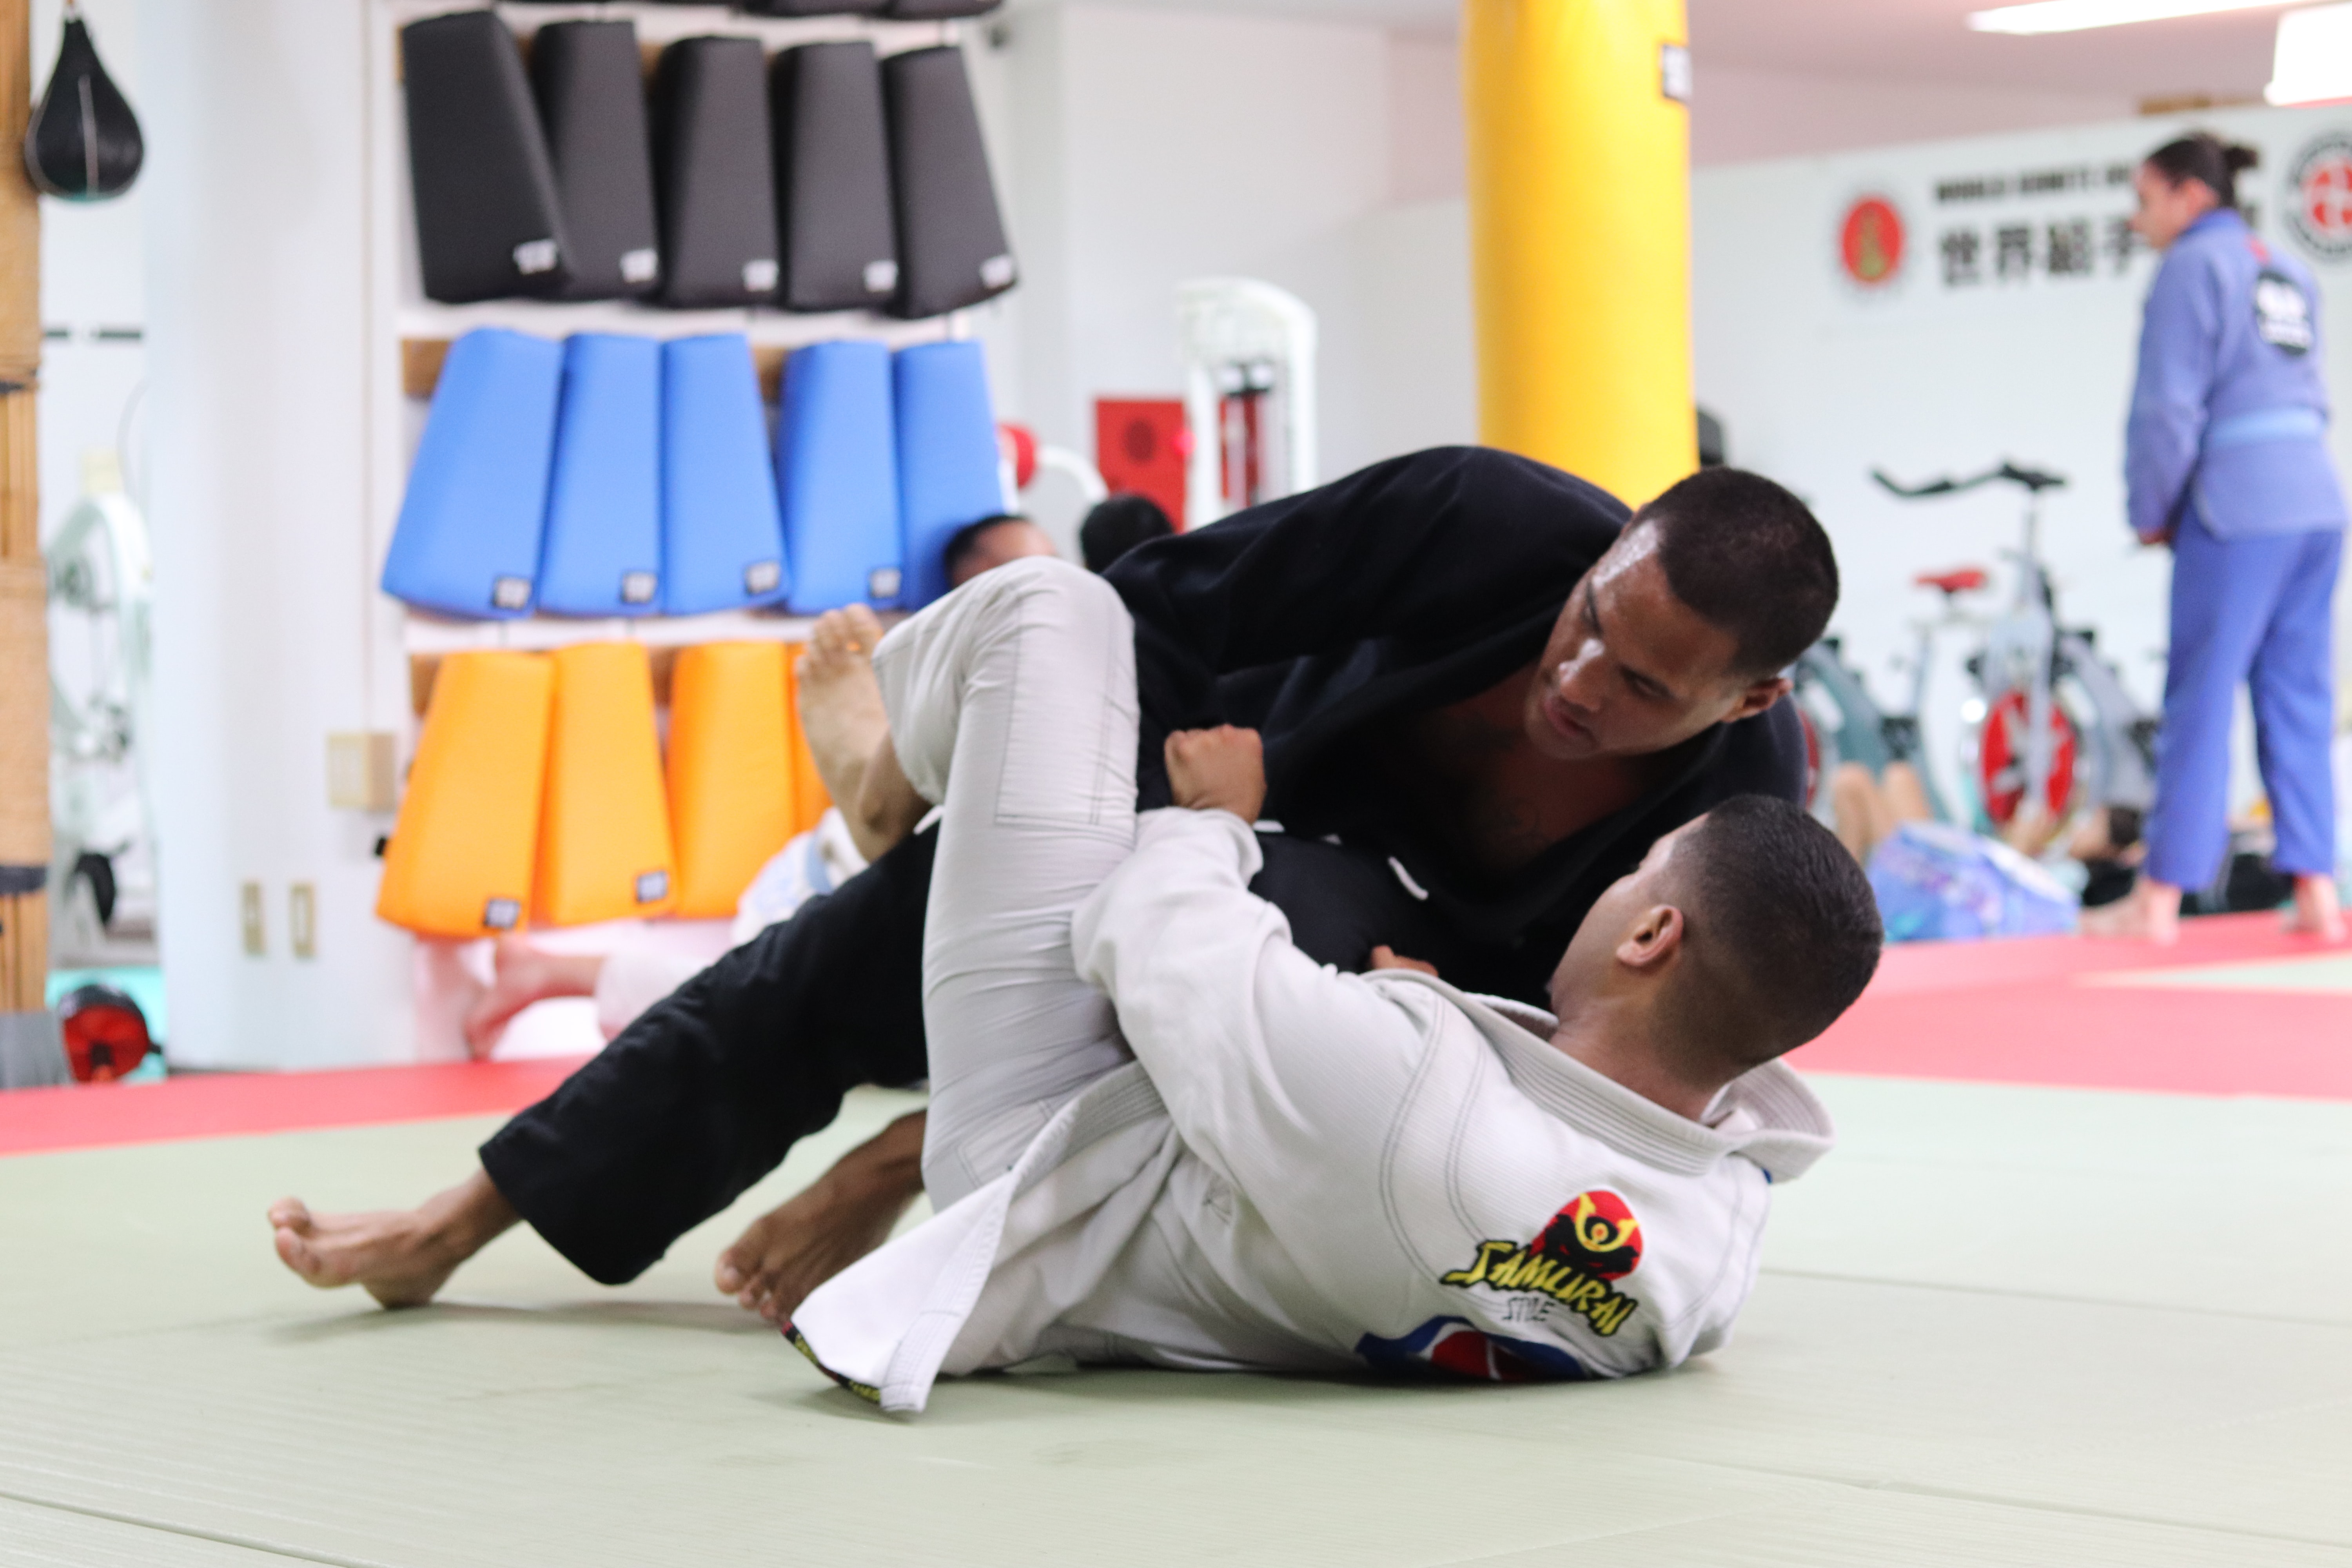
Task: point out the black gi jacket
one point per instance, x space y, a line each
1416 583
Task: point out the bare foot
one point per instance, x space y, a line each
815 1234
525 975
840 704
2151 914
2318 912
401 1257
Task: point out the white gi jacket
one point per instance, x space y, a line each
1315 1170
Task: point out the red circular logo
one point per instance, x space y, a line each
1870 241
1597 1232
2320 211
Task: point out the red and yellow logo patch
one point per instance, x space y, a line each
1592 1241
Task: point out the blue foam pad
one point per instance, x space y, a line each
603 500
468 535
946 456
838 477
722 542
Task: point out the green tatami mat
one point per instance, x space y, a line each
2328 974
2000 1327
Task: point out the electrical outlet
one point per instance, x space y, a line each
249 910
360 774
302 919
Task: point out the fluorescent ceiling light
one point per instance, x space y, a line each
2074 16
2313 60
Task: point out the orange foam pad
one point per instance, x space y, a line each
604 831
810 800
459 863
730 770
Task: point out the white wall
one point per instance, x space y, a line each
257 288
1149 146
1743 115
1817 380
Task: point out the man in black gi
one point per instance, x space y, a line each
1483 695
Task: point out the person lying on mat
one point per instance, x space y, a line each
1160 1133
626 982
1485 694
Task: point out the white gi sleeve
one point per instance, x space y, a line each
1281 1074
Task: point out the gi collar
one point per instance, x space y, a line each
1767 1115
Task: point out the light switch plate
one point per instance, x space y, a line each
302 919
360 774
248 912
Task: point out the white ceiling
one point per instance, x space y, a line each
1905 40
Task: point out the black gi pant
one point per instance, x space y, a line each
706 1092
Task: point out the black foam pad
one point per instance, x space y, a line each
951 248
591 85
832 179
713 173
934 10
814 7
488 222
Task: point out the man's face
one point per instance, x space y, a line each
1593 949
1632 669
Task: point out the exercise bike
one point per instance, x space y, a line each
2029 746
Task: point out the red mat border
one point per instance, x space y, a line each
1994 1012
240 1105
2018 1013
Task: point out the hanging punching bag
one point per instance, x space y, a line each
83 142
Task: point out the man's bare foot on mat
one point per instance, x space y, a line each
524 974
2150 913
399 1256
2318 912
817 1233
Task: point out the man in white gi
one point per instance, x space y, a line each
1160 1134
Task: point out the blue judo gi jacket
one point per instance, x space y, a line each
2229 415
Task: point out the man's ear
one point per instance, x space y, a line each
1759 696
1656 937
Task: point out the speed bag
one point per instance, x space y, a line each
83 142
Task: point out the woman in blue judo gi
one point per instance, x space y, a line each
2226 461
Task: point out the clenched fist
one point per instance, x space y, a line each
1222 769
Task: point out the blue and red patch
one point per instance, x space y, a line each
1452 1345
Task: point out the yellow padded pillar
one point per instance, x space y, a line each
603 832
730 770
459 863
1580 235
810 800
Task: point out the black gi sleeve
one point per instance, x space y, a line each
1433 547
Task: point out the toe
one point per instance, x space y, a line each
300 1256
829 635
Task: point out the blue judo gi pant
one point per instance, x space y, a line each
2245 610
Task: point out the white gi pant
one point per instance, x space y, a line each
1011 705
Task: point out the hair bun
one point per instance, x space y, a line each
2241 158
